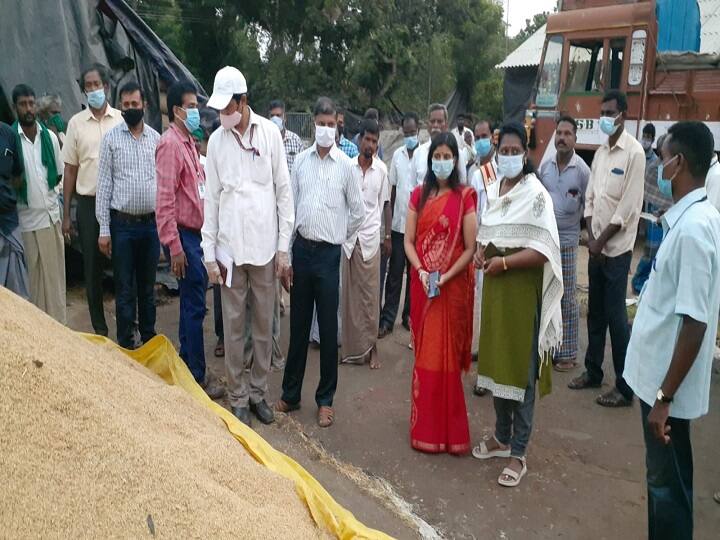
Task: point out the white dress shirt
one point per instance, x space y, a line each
248 202
376 192
43 208
419 164
684 281
328 201
469 149
712 183
401 176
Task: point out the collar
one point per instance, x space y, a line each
714 160
334 151
571 163
22 133
356 162
621 142
179 134
109 111
126 128
673 215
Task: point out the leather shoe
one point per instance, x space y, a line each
384 332
263 412
582 382
212 387
242 414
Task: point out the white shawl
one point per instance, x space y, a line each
524 218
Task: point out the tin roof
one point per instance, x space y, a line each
529 53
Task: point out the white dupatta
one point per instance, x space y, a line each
524 218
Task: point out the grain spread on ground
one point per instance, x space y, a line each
94 445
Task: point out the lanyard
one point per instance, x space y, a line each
252 149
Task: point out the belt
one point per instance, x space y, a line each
313 243
132 218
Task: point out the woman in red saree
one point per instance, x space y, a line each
440 236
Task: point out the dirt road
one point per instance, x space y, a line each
586 463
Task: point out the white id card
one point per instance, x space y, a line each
201 190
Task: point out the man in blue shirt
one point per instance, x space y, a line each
669 358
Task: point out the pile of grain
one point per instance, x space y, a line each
94 445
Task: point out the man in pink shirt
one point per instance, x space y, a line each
179 214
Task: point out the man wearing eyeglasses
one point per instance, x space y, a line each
249 218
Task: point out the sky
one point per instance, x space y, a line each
525 9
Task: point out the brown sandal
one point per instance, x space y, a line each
285 407
326 416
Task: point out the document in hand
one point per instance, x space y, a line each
224 258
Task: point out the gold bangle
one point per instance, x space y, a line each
504 264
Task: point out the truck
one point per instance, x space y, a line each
649 49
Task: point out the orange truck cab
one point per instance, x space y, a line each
594 45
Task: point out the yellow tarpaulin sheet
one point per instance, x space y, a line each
160 357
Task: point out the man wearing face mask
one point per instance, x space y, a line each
38 208
49 112
402 180
292 141
465 137
613 202
125 209
670 356
248 223
179 215
329 210
81 153
655 203
437 123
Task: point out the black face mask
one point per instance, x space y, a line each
133 116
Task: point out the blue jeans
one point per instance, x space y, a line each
514 419
192 305
135 254
669 481
316 281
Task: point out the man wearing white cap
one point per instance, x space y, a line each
249 218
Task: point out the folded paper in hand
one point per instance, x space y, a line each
224 258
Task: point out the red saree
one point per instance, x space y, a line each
441 327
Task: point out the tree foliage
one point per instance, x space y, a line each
397 55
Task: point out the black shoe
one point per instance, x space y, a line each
263 412
474 357
479 391
384 331
242 414
406 324
582 382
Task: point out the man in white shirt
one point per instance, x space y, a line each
402 181
248 223
39 208
465 138
329 210
437 123
670 355
361 261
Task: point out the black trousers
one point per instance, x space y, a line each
606 309
316 281
393 285
89 231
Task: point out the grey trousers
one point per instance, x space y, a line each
13 270
45 256
252 286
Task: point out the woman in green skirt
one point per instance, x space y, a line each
521 323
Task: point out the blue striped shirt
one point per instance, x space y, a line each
126 174
328 201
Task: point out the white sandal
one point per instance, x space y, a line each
481 451
515 477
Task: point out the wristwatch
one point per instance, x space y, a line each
662 398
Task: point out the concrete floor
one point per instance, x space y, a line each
586 463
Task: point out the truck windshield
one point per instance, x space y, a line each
549 82
585 66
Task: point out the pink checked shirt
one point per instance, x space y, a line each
180 181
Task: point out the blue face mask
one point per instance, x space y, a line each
665 184
96 98
482 147
443 168
411 142
607 125
192 121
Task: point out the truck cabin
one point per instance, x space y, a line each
592 46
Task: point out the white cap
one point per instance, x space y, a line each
228 81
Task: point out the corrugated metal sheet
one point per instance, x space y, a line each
527 54
530 52
710 30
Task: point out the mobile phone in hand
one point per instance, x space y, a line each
433 288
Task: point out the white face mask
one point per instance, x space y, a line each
510 166
324 136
